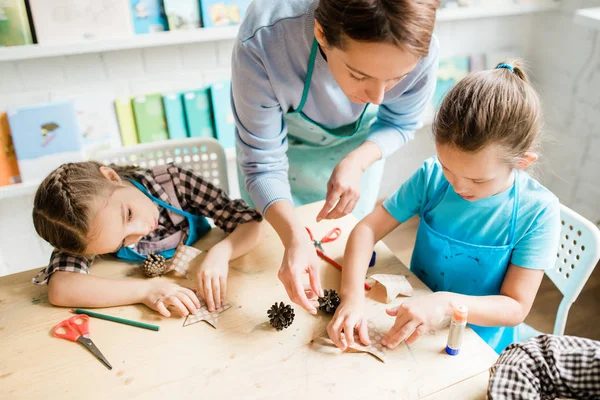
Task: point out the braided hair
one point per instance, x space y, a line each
62 203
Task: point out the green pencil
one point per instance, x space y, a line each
116 319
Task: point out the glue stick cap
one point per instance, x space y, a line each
460 313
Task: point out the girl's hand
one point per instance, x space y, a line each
162 295
349 316
416 316
212 279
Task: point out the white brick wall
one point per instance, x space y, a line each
127 73
566 70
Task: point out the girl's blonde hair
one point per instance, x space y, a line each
62 204
497 106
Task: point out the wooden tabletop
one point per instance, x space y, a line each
243 358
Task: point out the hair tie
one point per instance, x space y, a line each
507 66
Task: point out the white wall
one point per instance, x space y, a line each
565 66
187 66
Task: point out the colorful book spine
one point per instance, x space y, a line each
450 71
126 121
148 16
45 136
223 12
9 168
220 94
182 14
150 119
175 116
97 121
198 113
15 29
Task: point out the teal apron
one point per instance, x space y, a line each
198 227
314 151
449 265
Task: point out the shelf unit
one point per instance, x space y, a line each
228 33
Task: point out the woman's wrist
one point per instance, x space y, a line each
365 155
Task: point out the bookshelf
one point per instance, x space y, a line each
174 38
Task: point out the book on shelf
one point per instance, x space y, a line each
175 116
182 14
73 21
9 168
45 136
198 113
220 94
148 16
15 29
450 71
223 12
150 121
126 121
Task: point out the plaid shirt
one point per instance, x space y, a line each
547 367
195 195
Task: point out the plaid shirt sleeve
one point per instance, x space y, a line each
206 199
60 261
547 367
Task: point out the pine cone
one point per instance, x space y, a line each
154 265
329 302
280 316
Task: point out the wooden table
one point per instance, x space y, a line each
244 358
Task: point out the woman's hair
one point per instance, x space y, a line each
406 23
497 106
62 203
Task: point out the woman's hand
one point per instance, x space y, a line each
163 295
343 188
212 278
300 258
349 316
416 316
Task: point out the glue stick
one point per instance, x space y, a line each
457 329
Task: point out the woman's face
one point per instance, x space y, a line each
366 70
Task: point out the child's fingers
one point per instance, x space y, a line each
190 293
420 331
363 332
208 295
349 331
200 289
223 281
178 305
160 307
392 312
216 285
187 302
403 333
334 329
401 320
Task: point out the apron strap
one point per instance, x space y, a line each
515 211
309 73
164 179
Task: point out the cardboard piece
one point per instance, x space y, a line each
376 349
204 315
182 259
394 285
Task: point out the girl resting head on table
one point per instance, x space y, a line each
86 209
487 230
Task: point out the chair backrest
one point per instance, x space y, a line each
205 156
577 255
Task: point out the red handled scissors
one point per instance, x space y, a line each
76 329
330 237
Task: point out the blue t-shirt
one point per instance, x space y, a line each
486 221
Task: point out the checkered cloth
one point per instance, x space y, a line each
195 195
547 367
